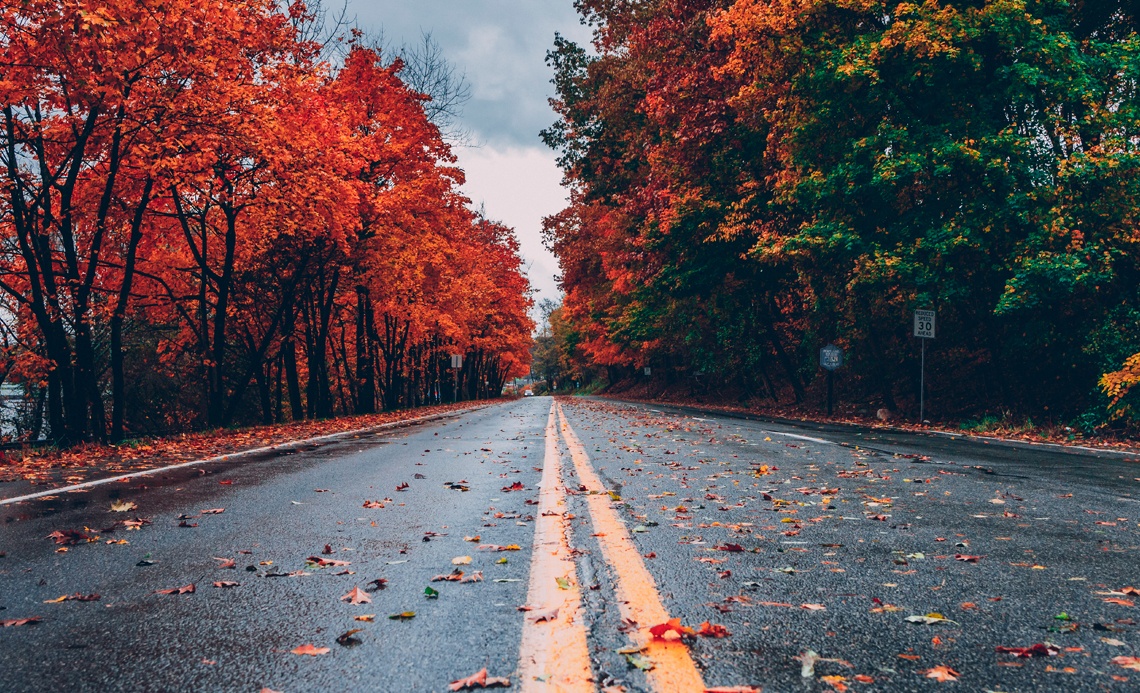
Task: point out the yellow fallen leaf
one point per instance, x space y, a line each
461 560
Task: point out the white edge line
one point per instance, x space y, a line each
230 456
799 437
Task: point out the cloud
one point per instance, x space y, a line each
501 45
518 186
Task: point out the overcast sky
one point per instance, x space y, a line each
501 46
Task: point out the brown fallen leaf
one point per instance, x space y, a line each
813 607
122 506
942 673
1036 650
966 558
225 562
310 650
453 576
479 679
326 562
346 640
185 589
225 583
357 596
20 621
1120 601
373 504
213 511
68 537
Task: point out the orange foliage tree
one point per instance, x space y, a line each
204 224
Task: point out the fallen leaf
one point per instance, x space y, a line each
461 560
310 650
403 616
68 537
1121 602
1036 650
672 625
225 562
185 589
479 679
813 607
1126 662
373 504
929 619
346 640
942 673
357 596
122 506
431 593
712 630
213 511
543 615
326 562
20 621
226 583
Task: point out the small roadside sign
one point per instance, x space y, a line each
924 324
457 361
648 370
830 357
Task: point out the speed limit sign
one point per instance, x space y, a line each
924 324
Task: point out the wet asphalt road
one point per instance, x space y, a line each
868 533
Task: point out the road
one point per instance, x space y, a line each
812 549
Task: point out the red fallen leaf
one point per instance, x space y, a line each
863 678
213 511
942 673
185 589
735 548
327 550
725 574
310 650
1129 590
880 518
20 621
1036 650
67 537
965 558
226 482
712 630
225 562
517 486
455 576
327 562
379 584
674 625
479 679
403 487
373 504
357 596
1126 662
651 554
225 583
543 615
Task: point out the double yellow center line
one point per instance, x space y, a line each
554 655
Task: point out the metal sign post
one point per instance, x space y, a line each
456 364
830 358
924 330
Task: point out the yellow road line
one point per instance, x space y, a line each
553 655
637 596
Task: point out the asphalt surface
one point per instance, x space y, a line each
865 525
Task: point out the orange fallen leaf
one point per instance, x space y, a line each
813 607
185 589
1121 602
225 562
357 596
942 673
479 679
213 511
1127 662
310 650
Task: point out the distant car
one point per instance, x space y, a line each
528 393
